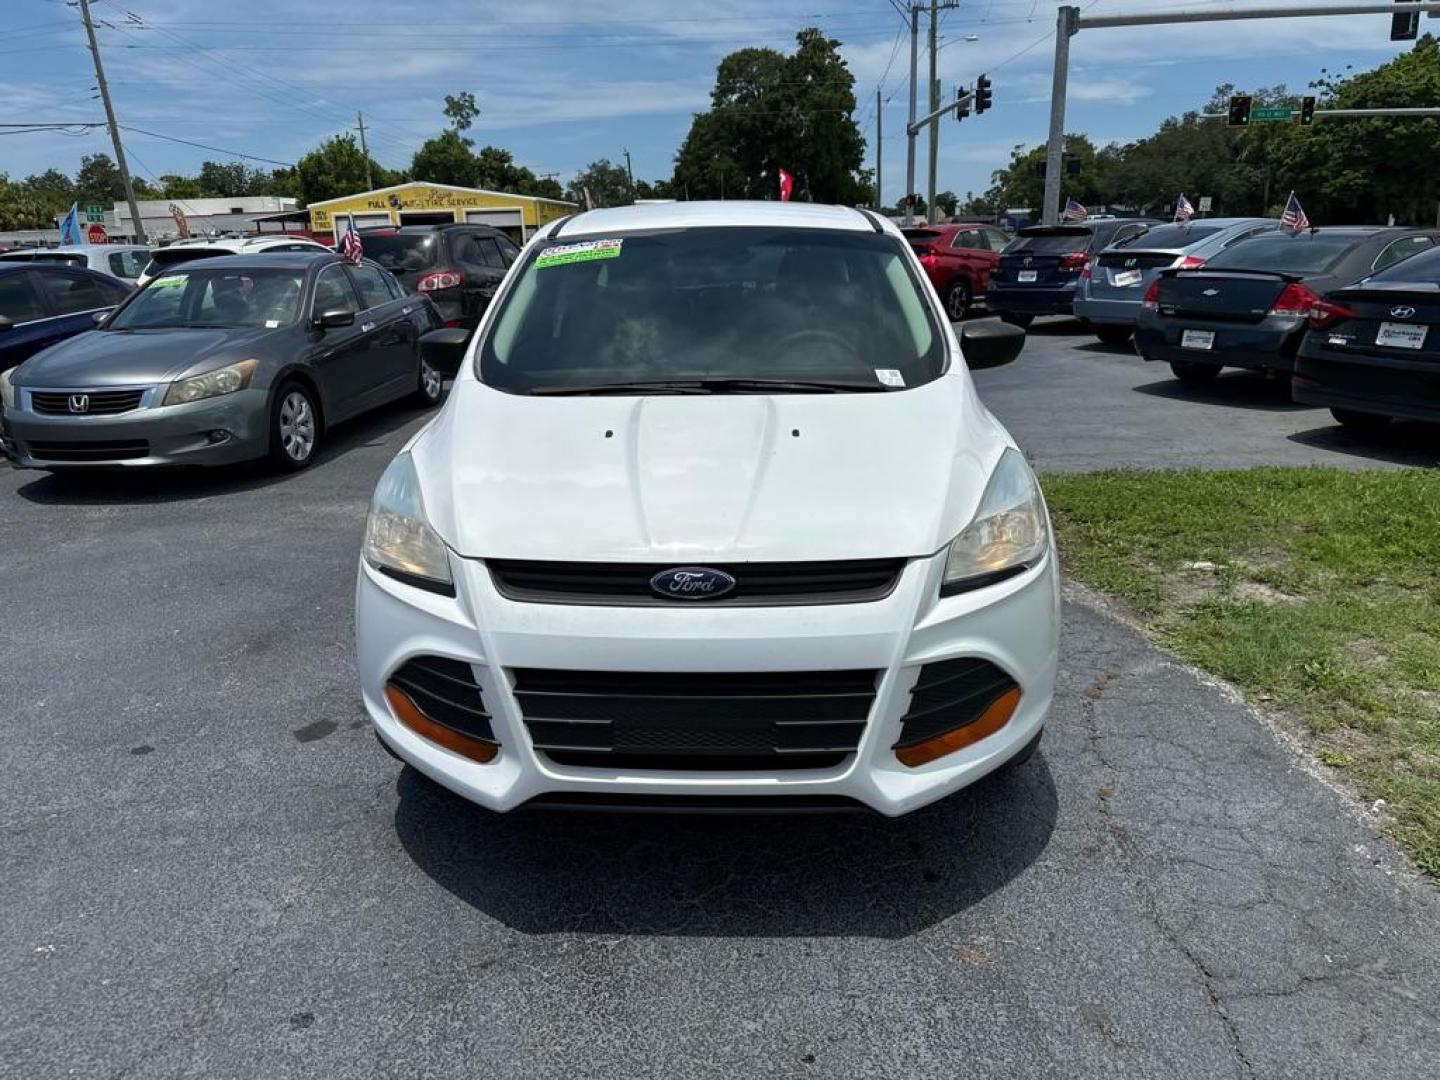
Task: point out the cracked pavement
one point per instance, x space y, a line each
208 868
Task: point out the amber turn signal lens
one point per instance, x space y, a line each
409 714
995 717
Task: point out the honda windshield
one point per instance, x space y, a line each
214 297
715 310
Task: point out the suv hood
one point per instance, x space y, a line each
125 358
727 477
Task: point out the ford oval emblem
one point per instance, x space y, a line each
692 583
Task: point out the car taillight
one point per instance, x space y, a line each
1151 302
1189 262
1075 260
1295 299
1323 313
440 279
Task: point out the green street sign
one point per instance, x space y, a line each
1271 115
94 212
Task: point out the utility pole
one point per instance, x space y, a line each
1065 19
365 152
137 226
630 173
879 152
910 142
934 104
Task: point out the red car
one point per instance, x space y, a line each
958 259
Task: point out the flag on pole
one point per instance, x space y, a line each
1294 219
1074 211
1183 210
70 226
182 227
350 246
787 185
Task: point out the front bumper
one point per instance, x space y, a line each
1384 385
1013 624
1249 346
1105 312
218 431
1034 300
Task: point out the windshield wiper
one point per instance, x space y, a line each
713 386
673 386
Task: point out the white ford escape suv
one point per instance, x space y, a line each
712 515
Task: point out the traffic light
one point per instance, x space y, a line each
984 96
962 109
1307 111
1239 110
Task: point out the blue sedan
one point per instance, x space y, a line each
41 304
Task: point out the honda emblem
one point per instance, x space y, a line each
79 403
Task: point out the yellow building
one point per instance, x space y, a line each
420 203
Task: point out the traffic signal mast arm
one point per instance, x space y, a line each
962 100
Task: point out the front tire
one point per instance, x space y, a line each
294 427
1194 374
1016 319
431 387
957 300
1362 423
1114 335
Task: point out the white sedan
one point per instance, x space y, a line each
713 514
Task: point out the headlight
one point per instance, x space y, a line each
225 380
7 389
398 539
1009 532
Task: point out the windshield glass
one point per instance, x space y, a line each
1423 268
714 304
1174 236
1050 243
214 298
1308 253
399 252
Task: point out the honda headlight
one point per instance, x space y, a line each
225 380
398 539
1008 534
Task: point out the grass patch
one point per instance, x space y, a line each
1315 590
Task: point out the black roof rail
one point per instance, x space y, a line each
560 225
870 217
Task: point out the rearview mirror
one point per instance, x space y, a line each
989 343
444 350
332 320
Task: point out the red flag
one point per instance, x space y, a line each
787 185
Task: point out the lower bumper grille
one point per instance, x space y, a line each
446 691
111 450
950 694
700 721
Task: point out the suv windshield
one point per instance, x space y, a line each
1050 243
214 298
1308 253
714 310
401 252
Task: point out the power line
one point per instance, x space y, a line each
203 146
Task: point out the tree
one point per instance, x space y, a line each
446 159
607 185
98 181
461 109
770 111
946 203
176 186
335 168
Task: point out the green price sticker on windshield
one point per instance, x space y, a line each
585 251
176 281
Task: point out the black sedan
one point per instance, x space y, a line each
224 360
1373 352
1041 267
1249 306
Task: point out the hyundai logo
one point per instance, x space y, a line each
1404 311
1210 292
79 403
692 583
1130 262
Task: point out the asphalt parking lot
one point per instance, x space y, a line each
210 870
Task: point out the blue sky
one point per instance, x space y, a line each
561 84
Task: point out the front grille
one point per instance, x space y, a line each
95 452
950 694
848 581
702 721
99 402
446 691
1140 260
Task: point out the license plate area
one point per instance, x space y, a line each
1401 335
1197 339
1127 278
1025 277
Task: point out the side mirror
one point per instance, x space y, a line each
990 343
444 350
101 316
333 320
6 323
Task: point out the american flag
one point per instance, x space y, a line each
1074 211
1294 218
350 246
1183 210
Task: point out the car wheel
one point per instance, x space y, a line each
957 300
432 386
1022 321
1114 335
1362 422
294 427
1194 374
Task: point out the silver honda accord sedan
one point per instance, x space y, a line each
223 360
